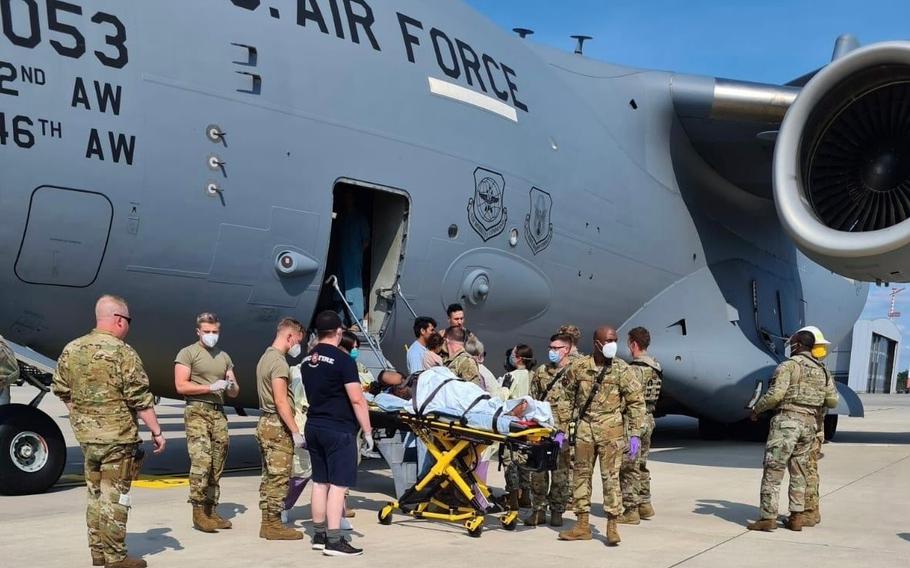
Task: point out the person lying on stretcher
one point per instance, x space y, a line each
438 390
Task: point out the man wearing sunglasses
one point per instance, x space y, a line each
103 383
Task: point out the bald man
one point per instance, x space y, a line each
105 388
605 388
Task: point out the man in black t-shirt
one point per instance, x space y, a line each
337 408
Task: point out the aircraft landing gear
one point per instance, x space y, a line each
32 450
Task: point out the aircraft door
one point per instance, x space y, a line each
65 237
366 250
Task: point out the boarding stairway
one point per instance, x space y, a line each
371 353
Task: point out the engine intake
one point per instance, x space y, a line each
842 165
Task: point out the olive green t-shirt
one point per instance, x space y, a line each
272 365
206 367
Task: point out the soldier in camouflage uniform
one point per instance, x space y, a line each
603 386
813 512
9 371
460 362
277 431
800 387
634 475
105 388
550 384
203 375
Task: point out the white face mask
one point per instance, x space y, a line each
294 351
609 349
209 339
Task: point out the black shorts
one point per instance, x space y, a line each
333 455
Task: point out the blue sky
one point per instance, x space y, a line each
766 41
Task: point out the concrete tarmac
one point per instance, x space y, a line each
703 493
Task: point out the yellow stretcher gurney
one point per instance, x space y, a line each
450 490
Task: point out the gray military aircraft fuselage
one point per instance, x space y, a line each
189 156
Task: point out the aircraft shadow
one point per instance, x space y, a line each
152 541
905 536
736 513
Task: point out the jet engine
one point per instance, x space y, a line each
842 165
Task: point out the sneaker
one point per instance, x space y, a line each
284 517
346 525
341 548
319 540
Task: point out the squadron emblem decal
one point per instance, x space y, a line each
486 210
538 225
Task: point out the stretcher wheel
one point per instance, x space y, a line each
385 515
509 525
475 527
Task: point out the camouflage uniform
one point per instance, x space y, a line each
102 378
600 433
276 446
465 368
9 370
206 424
553 488
634 476
800 387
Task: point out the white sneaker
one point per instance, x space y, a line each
346 525
284 517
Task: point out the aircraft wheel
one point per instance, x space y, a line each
32 450
830 426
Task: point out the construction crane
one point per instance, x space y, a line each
892 313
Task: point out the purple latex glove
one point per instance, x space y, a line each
634 446
560 439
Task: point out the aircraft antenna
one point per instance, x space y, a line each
523 32
892 313
579 47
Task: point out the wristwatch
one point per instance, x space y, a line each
154 435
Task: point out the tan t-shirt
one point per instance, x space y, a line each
272 365
206 367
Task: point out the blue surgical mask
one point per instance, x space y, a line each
512 360
553 356
354 353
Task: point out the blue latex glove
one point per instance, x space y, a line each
634 446
560 439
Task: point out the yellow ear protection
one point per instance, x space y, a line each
820 351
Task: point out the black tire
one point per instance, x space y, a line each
384 519
511 525
830 426
476 532
30 426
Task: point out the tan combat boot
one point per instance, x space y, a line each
535 518
201 521
795 522
97 559
809 518
612 532
630 517
272 529
645 511
816 516
212 513
581 530
555 519
128 562
766 525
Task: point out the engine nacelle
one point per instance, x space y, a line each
842 165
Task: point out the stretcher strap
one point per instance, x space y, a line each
430 397
496 414
464 414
